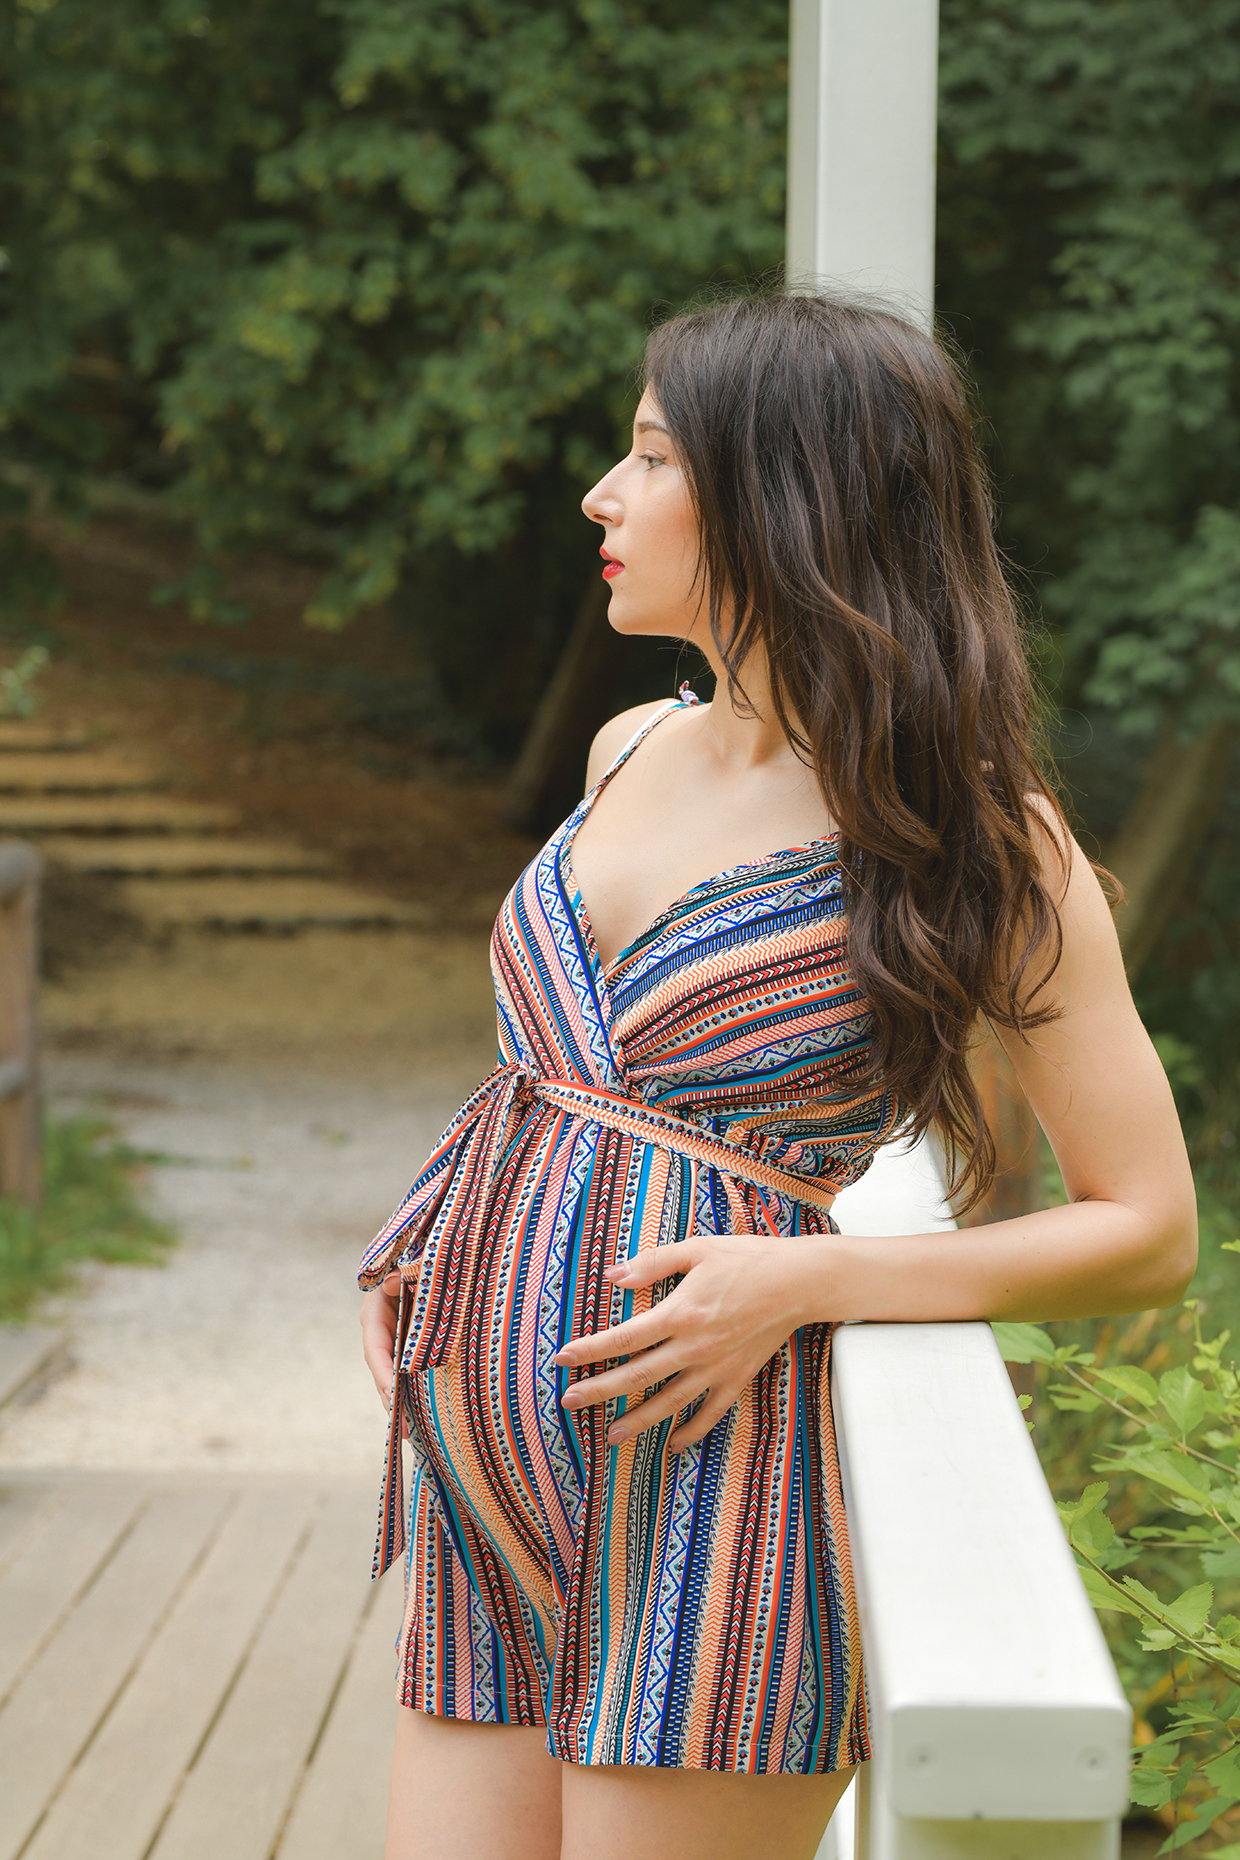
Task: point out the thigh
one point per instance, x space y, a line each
461 1790
666 1814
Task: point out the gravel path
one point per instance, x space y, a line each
282 1158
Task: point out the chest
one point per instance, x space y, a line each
666 824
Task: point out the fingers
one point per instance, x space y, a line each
699 1424
640 1415
655 1263
627 1339
378 1318
626 1380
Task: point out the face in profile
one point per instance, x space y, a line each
650 534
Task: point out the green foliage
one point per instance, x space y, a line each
378 271
17 696
374 278
89 1211
1157 1541
1090 258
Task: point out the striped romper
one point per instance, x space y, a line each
692 1610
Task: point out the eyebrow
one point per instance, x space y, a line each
651 426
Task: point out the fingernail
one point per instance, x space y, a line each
617 1436
562 1360
616 1272
571 1400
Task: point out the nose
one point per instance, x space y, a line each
602 504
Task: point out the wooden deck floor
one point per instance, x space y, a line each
192 1669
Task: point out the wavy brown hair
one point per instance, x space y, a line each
847 527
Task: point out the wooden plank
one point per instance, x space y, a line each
39 737
22 1509
72 774
262 904
121 813
54 1566
341 1811
171 855
60 1701
236 1798
20 1134
112 1805
23 1353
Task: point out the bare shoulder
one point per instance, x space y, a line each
614 735
1089 958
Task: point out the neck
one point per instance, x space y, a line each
751 735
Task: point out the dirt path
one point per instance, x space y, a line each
293 1086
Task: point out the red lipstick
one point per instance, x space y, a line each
611 567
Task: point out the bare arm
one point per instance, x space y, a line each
1127 1239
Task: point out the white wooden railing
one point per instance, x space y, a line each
999 1728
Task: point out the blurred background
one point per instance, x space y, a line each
316 322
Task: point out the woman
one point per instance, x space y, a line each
631 1625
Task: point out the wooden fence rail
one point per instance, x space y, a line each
20 1164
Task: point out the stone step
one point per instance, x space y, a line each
15 733
171 856
71 774
33 816
271 904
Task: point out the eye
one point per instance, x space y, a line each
651 458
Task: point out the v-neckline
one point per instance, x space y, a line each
603 970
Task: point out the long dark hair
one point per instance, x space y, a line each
848 528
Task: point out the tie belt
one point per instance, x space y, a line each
453 1194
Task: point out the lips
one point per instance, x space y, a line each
611 566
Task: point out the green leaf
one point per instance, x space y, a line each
1183 1776
1091 1496
1149 1788
1225 1562
1023 1343
1134 1384
1102 1595
1094 1532
1183 1397
1176 1471
1071 1400
1190 1609
1159 1639
1203 1814
1224 1775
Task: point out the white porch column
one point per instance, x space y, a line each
861 138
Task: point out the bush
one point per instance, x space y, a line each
1157 1542
89 1211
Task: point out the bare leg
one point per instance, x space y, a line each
695 1814
461 1791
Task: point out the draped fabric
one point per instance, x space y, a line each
696 1609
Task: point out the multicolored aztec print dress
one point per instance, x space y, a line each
691 1610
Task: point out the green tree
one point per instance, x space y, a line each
1090 265
376 273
